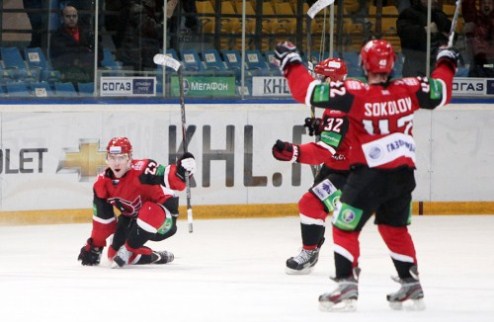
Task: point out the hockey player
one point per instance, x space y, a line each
142 190
382 159
331 149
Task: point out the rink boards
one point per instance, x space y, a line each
50 155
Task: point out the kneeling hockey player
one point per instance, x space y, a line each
142 190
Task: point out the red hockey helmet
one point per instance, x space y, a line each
334 68
378 57
119 145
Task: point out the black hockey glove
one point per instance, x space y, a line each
285 151
314 125
285 54
90 255
186 164
450 55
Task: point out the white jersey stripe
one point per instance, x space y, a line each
147 227
306 220
327 147
310 89
103 221
166 183
444 92
343 252
401 257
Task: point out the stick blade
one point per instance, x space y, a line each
168 61
190 220
318 6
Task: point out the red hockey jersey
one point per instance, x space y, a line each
145 181
333 148
381 116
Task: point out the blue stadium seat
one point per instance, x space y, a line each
42 90
191 60
462 72
109 60
12 58
212 60
13 61
50 76
232 58
85 89
172 52
255 60
274 69
35 58
18 90
65 89
6 76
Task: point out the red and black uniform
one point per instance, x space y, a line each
382 156
146 201
332 152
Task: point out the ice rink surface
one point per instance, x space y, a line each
233 270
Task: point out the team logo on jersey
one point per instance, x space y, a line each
375 153
126 207
348 215
324 189
327 188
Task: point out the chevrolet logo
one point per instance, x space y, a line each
88 160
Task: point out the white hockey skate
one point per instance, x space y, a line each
344 297
410 296
121 258
302 263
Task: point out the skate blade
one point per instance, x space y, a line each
117 263
305 271
409 305
343 306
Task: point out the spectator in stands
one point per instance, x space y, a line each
479 32
142 36
412 30
86 10
186 13
34 10
72 49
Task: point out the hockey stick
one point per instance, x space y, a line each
165 60
318 6
312 12
310 66
454 22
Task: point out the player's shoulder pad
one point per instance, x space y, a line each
355 85
409 81
140 164
100 183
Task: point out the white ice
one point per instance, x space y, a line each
233 270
